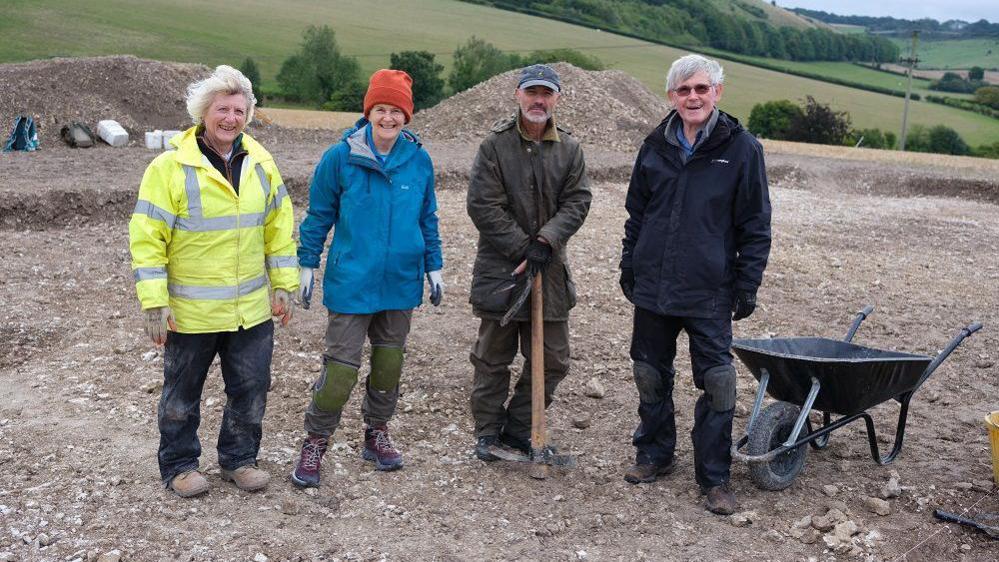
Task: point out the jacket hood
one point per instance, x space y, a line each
356 140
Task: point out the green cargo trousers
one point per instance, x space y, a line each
492 354
345 334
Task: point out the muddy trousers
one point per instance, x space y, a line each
494 350
653 349
245 357
345 333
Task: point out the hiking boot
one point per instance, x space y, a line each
482 448
378 448
188 484
306 473
247 478
519 443
644 473
721 500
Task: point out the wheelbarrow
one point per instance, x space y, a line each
832 377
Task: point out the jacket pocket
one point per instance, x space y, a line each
493 292
570 286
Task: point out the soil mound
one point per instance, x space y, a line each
140 94
606 107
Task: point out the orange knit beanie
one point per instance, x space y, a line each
392 87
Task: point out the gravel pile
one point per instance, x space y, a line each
608 107
140 94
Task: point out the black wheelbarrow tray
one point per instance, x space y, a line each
832 377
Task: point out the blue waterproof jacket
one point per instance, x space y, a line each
385 224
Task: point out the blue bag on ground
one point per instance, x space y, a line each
23 137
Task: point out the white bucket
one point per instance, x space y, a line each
167 135
112 133
154 140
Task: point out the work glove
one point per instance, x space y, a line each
627 282
745 304
436 282
538 256
282 305
306 280
158 320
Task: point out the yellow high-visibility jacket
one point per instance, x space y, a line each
205 251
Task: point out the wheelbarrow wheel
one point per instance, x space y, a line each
770 430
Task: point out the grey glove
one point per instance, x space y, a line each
158 321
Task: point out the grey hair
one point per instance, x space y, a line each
227 81
685 67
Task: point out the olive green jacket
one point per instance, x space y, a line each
520 189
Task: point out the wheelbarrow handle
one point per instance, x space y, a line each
861 316
965 332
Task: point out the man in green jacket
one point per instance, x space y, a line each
528 194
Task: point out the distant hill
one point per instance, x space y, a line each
928 28
747 27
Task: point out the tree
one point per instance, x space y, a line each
819 124
773 119
319 69
944 140
428 86
348 98
988 95
252 73
477 61
976 73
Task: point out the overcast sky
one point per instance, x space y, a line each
940 10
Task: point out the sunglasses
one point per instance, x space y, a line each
684 91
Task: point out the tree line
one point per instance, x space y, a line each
931 28
694 23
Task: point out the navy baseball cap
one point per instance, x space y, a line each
539 75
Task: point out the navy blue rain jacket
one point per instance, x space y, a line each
697 232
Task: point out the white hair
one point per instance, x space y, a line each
227 81
685 67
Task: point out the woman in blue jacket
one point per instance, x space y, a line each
376 189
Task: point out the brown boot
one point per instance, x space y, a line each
721 500
639 473
188 484
247 478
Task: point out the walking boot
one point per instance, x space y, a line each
644 473
721 500
378 448
306 473
188 484
482 448
247 478
519 443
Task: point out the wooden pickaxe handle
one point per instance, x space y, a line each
538 425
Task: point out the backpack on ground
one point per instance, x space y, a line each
23 137
77 135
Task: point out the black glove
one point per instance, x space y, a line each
538 256
745 304
627 282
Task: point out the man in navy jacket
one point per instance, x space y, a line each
696 243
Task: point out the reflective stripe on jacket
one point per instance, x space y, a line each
384 222
205 251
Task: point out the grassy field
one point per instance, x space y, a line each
959 53
229 31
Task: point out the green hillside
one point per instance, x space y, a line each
269 31
957 53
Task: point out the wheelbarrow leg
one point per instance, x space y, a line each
813 393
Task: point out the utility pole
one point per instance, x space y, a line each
911 61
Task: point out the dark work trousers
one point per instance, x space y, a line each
345 335
245 356
494 350
653 342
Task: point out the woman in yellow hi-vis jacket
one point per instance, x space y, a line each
214 259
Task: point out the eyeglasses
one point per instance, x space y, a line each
684 91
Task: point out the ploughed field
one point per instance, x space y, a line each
78 479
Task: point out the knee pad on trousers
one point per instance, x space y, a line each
386 367
649 380
719 385
332 390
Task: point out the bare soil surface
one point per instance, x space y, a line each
80 386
